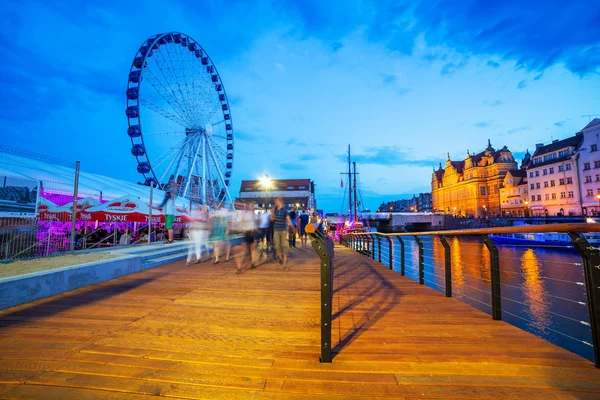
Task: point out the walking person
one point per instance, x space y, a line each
281 222
292 228
304 218
218 228
197 230
169 210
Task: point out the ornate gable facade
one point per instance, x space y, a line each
471 187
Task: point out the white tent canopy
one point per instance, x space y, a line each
59 178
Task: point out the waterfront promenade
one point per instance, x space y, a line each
203 332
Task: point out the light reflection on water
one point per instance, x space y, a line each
539 286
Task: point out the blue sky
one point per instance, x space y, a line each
402 82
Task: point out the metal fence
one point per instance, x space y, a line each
552 293
23 232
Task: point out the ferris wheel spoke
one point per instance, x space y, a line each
164 157
172 133
175 83
162 112
167 95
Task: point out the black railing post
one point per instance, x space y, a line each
402 258
495 273
447 265
591 266
421 261
324 248
372 246
378 248
391 251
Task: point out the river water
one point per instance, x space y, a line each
543 290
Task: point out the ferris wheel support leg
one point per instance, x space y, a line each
204 170
212 153
191 169
162 178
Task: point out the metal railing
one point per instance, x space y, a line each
324 248
370 244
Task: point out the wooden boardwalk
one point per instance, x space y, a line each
203 332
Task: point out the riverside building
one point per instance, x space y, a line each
471 187
514 199
553 181
298 193
588 165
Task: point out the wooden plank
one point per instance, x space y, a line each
204 332
138 386
44 392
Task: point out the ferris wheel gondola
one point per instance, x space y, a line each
179 119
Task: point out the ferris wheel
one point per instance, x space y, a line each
179 119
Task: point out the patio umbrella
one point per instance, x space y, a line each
124 209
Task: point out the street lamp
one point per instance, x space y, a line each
526 208
267 183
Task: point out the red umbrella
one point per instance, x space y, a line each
123 209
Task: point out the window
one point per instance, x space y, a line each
553 196
571 193
247 188
537 185
537 160
563 153
568 166
551 183
546 196
590 192
537 173
563 195
594 147
598 190
596 164
546 184
533 198
569 181
290 187
551 170
539 197
586 166
545 172
561 168
532 186
549 157
301 187
482 190
588 179
561 181
597 178
531 174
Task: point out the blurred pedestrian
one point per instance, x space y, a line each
281 222
218 229
292 228
304 218
198 226
168 203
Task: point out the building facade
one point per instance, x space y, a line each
553 180
588 165
514 198
298 193
472 187
418 203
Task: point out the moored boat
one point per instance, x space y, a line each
550 239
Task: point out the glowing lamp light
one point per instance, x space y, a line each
591 220
266 182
